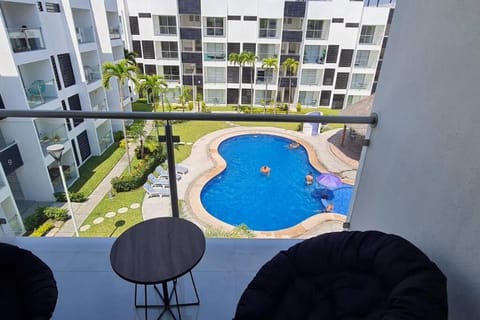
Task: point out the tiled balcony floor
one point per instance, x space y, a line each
89 289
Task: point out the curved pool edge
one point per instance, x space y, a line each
198 211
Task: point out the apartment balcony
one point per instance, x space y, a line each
85 35
10 158
292 36
48 136
100 106
115 33
316 34
284 57
286 82
92 73
68 171
26 39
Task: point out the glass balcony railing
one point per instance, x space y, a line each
367 39
359 86
214 56
26 39
40 92
317 34
100 107
92 73
48 137
69 172
115 33
85 34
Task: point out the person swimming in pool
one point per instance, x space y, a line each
309 178
329 207
293 145
265 170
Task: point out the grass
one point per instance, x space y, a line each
141 106
113 227
96 169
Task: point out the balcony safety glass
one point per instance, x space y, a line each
315 29
267 51
214 52
309 77
214 27
359 82
268 28
367 35
363 56
265 75
314 54
26 39
215 96
168 24
308 98
215 75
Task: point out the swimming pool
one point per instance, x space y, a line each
241 194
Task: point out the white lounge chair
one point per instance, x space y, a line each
158 182
162 173
181 169
156 192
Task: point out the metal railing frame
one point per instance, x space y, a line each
169 116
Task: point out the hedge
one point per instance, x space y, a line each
139 175
42 214
74 197
42 230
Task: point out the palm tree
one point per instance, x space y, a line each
237 59
130 57
123 71
152 86
267 64
250 58
290 66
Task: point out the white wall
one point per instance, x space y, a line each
421 173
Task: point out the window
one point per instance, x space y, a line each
362 59
144 15
215 75
137 48
171 73
249 18
215 96
351 25
249 47
65 65
233 47
268 28
338 100
346 58
314 54
234 17
191 45
316 29
332 54
169 49
367 34
337 20
134 25
150 69
309 77
52 7
214 27
232 74
265 75
342 80
325 98
168 24
290 48
267 51
84 145
148 49
328 76
214 52
261 97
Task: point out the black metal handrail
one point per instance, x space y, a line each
371 119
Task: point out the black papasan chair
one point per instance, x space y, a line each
347 276
28 289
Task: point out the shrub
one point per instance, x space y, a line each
299 107
117 136
139 176
204 107
57 214
42 230
190 105
240 231
150 146
74 196
35 220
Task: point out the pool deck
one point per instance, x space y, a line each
204 163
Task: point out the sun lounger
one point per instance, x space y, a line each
181 169
162 173
156 192
158 182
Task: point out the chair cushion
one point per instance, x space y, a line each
347 275
28 289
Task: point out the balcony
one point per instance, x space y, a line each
40 92
100 107
114 33
92 73
48 136
85 35
69 172
26 39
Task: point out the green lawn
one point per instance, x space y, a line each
96 169
141 106
113 227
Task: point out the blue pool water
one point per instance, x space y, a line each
241 194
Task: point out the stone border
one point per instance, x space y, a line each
199 212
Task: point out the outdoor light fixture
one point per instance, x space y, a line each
56 150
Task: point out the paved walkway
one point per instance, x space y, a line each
83 210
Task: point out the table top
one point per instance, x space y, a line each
157 250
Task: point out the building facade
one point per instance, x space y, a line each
339 45
51 55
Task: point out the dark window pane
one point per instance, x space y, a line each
332 54
346 56
250 47
66 69
148 49
134 25
137 48
342 80
328 77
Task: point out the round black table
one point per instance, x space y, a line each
157 251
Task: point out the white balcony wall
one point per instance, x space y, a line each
110 5
214 8
242 31
167 8
272 9
375 16
242 8
420 174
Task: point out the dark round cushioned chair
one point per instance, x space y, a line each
28 289
347 275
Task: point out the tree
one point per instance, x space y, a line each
130 56
122 71
290 66
152 86
269 64
185 96
250 58
238 59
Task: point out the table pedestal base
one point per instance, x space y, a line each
166 299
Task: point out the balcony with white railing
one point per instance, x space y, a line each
38 82
92 73
26 39
50 133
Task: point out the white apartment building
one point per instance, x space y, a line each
51 55
339 45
